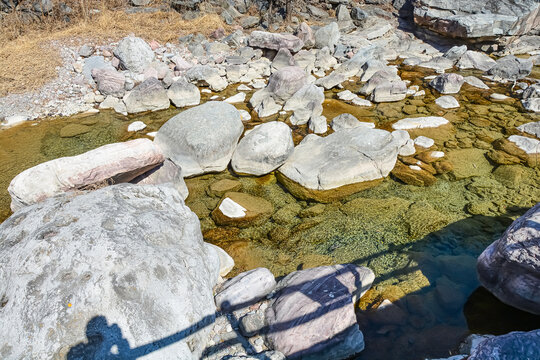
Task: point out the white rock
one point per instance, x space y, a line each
496 96
437 154
206 91
14 120
358 101
236 99
243 87
346 95
415 167
136 126
244 115
532 128
424 142
408 149
476 82
530 146
447 102
419 123
420 93
152 134
231 209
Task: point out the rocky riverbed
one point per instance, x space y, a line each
350 142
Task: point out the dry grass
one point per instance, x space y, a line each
28 59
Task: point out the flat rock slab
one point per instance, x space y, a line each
201 139
122 265
240 209
350 157
419 123
530 146
273 41
245 289
113 163
510 267
312 314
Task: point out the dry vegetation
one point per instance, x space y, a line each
28 57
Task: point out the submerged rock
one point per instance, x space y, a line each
447 83
325 168
263 149
515 345
420 123
201 139
509 267
240 209
99 269
113 163
312 314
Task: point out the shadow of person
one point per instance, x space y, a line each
104 342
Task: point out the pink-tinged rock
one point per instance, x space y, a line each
305 33
113 163
274 41
154 44
312 315
181 64
115 62
150 73
285 82
109 81
510 267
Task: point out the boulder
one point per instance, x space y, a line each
318 124
344 20
150 95
455 52
206 75
305 33
388 91
475 60
274 41
477 21
181 93
110 267
134 54
281 86
511 68
245 289
263 149
326 168
241 210
532 128
531 98
109 164
312 314
201 139
514 345
282 59
93 63
327 36
447 83
109 82
306 104
510 267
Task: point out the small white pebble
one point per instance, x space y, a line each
415 167
437 154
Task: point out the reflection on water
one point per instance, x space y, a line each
422 242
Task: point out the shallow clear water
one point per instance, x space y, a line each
422 242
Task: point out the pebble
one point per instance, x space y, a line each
136 126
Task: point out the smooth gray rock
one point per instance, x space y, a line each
312 314
134 53
109 82
327 36
206 75
201 139
447 83
282 59
108 164
476 82
86 50
273 41
252 324
318 124
515 345
306 104
447 102
455 52
95 62
265 148
510 267
181 93
123 265
475 60
344 157
511 68
281 86
438 63
150 95
245 289
344 20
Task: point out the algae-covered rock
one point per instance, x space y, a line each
468 163
220 187
422 219
240 209
72 130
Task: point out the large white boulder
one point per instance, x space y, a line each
201 139
263 149
134 53
125 265
113 163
